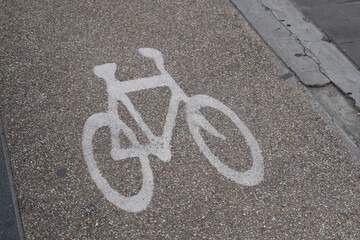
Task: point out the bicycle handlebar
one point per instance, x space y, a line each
155 55
107 71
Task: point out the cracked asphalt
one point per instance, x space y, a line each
48 90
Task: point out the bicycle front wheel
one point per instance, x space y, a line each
134 203
196 120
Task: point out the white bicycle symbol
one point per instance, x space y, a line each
158 145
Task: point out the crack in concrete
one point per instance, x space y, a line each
316 60
304 49
285 42
308 53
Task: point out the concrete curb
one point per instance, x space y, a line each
299 43
332 80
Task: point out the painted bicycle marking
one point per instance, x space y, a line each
158 145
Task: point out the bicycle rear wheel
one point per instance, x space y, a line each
196 120
134 203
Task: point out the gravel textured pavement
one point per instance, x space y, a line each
48 90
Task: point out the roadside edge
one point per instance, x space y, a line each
11 186
313 60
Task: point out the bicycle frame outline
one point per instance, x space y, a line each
158 145
117 90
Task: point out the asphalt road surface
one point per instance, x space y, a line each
273 169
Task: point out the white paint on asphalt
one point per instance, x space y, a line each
159 145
